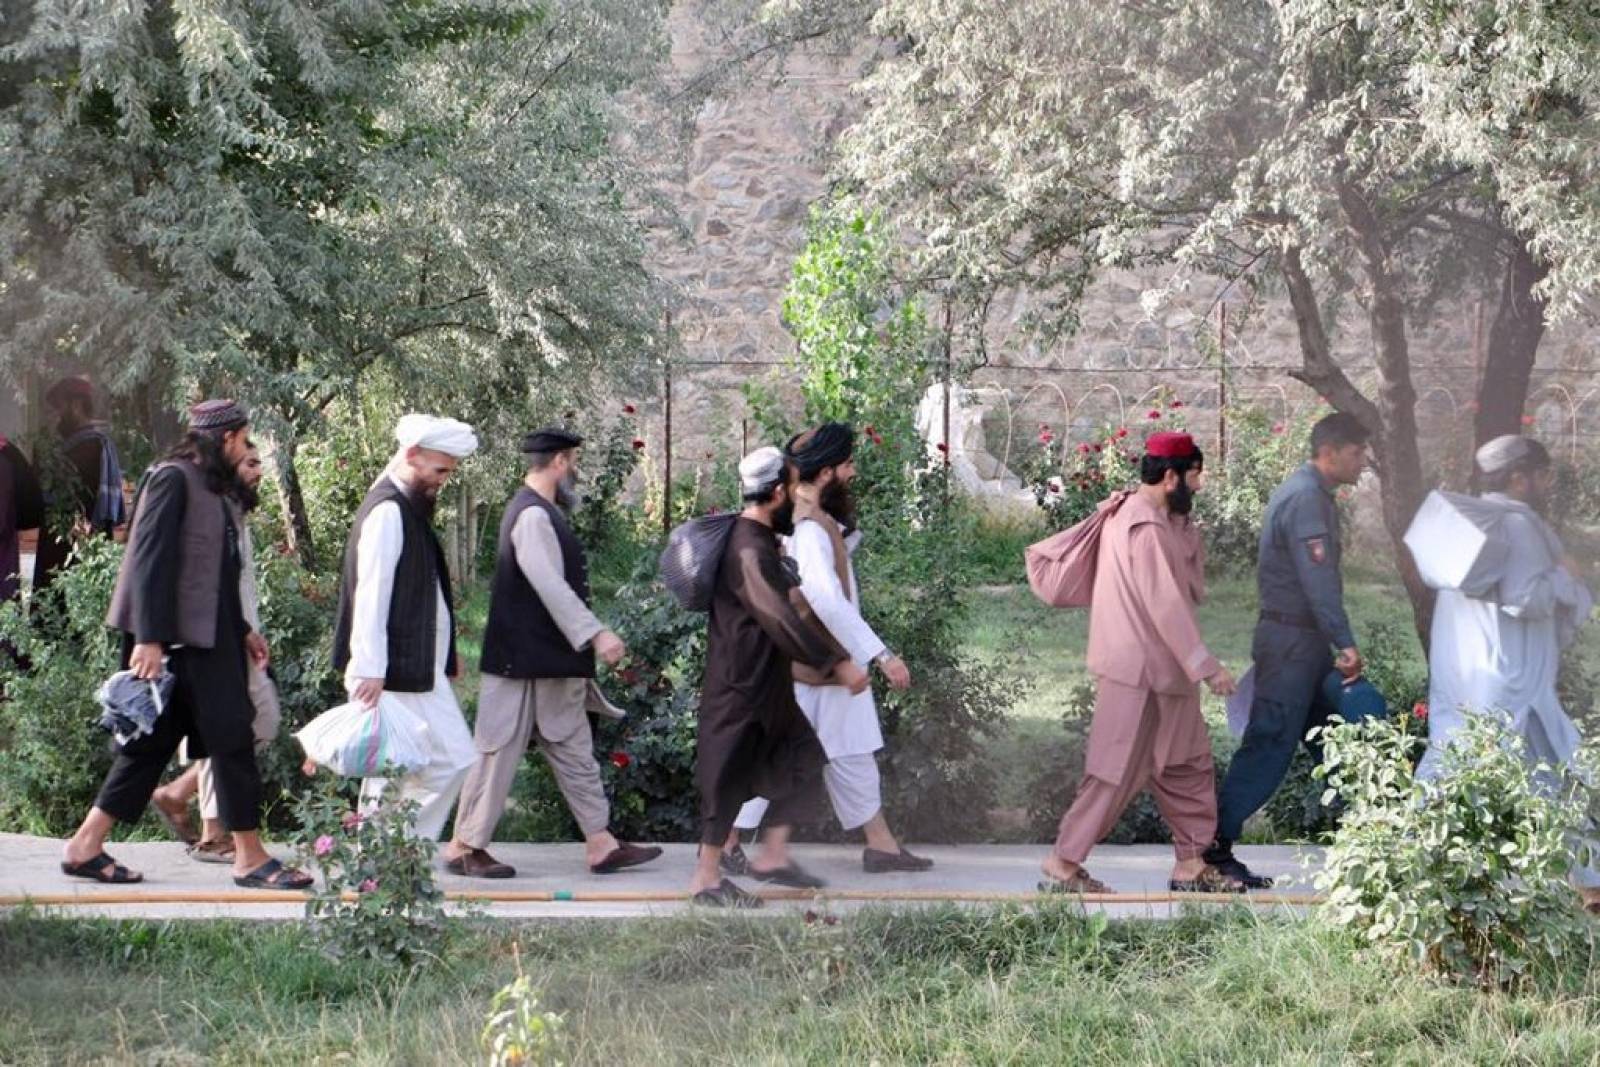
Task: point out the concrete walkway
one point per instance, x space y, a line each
552 881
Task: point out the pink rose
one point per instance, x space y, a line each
367 885
323 845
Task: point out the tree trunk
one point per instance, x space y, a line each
1399 458
1513 345
297 522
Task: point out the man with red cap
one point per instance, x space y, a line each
1148 660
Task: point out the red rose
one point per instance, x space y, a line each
1420 709
1154 414
629 409
1084 449
942 447
1527 420
620 760
1096 448
1176 404
637 444
1045 437
1123 432
1277 427
868 430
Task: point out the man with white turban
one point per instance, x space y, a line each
1497 648
753 739
396 634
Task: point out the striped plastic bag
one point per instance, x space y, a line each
360 742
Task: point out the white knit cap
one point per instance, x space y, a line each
761 470
1502 452
449 436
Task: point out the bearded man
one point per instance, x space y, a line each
1500 652
539 650
846 723
396 630
753 739
1148 660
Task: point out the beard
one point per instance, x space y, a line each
783 519
840 503
1180 501
248 496
567 497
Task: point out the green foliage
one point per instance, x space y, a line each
1465 874
53 753
376 898
518 1031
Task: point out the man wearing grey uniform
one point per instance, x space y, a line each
539 649
1302 622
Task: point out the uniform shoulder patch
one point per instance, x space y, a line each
1317 549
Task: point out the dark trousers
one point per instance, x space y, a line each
211 705
1290 667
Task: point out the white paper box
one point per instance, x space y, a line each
1455 542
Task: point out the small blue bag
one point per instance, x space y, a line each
1355 700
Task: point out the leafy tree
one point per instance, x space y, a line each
272 198
1033 144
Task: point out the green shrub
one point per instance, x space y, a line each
1464 875
53 754
376 898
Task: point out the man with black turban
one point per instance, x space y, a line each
539 649
846 722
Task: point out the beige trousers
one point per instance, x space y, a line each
511 713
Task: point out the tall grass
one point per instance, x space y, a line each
943 985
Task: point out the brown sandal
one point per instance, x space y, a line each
1081 882
1209 880
218 850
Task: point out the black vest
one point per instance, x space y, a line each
419 576
521 640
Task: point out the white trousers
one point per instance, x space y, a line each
854 787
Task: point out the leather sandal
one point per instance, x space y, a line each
219 850
1081 882
102 868
727 895
1209 880
477 863
625 855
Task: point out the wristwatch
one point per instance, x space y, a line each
883 657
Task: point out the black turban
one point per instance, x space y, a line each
828 445
550 439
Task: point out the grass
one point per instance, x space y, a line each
940 986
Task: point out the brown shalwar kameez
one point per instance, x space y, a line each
753 739
1147 658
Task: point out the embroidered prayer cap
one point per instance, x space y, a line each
450 436
67 390
826 446
550 439
217 416
1170 445
1503 452
761 470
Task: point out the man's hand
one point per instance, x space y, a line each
367 692
1222 683
145 661
1350 664
895 671
255 646
609 647
852 677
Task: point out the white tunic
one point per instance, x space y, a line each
377 555
1503 651
846 725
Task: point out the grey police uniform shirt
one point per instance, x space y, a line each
1298 572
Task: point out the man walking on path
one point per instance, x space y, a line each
178 603
1148 659
172 800
539 649
395 637
1302 621
89 463
846 723
753 739
1500 652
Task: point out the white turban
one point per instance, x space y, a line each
760 470
1502 452
449 436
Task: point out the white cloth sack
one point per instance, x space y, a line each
1457 543
1239 703
354 741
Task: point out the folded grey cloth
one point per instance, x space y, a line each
130 706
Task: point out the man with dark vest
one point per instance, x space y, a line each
395 638
539 649
177 601
84 475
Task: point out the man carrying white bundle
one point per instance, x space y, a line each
396 634
1496 647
